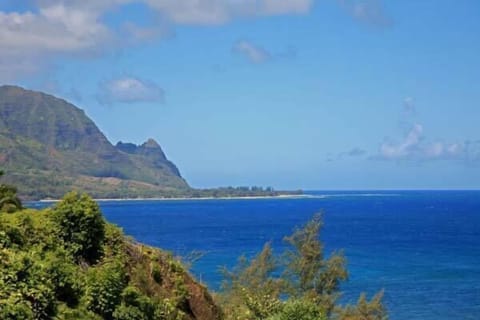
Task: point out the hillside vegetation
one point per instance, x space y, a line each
68 263
48 146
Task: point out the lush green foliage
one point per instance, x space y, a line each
301 285
299 309
9 201
79 224
68 263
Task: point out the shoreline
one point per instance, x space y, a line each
283 196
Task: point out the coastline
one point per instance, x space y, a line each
282 196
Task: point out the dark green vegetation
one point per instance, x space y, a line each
300 285
9 201
229 192
68 263
48 147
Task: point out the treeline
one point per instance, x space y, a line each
38 186
230 192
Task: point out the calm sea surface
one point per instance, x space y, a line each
422 247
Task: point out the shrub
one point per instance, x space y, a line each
79 224
26 290
135 306
105 284
299 310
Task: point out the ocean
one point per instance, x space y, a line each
421 247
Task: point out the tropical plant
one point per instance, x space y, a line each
9 201
300 285
80 225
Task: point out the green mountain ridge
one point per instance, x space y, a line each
49 146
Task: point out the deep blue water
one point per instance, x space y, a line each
421 247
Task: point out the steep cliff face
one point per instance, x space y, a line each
151 152
48 145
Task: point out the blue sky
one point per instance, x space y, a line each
333 94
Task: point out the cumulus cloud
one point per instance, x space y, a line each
222 11
129 90
415 146
251 51
391 150
370 12
30 39
53 29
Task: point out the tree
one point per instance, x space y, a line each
307 289
250 289
9 201
308 274
80 225
364 309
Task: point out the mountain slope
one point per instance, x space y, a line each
48 146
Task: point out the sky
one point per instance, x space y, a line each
311 94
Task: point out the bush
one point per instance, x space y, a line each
299 310
65 277
79 224
26 290
105 284
135 306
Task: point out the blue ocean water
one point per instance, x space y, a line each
421 247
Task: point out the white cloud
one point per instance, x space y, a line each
416 147
30 40
251 52
222 11
405 148
129 90
53 29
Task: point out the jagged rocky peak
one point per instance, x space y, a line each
148 148
151 143
152 149
126 147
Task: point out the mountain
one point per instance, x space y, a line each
49 146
